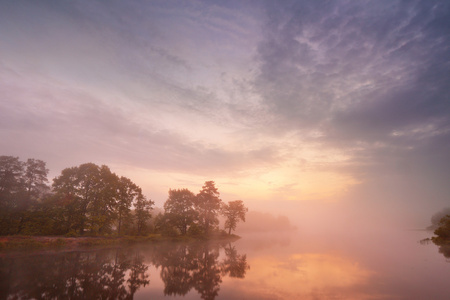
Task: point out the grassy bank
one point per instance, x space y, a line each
42 242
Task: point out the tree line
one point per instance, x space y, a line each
190 214
91 200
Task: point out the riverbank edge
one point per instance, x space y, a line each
20 242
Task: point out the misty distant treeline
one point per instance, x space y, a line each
91 200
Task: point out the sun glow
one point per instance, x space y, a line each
304 275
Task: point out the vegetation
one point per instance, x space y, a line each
90 200
179 209
198 215
443 231
436 218
233 211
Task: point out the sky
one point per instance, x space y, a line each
314 109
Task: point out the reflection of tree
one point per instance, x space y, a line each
234 265
118 274
79 275
206 276
138 275
177 264
444 248
187 266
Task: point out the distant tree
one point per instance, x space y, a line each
234 212
21 185
179 208
207 204
436 218
443 231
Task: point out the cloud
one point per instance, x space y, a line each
79 126
371 77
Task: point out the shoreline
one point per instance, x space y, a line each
22 242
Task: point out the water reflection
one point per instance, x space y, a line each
120 273
305 276
185 267
445 250
116 274
444 246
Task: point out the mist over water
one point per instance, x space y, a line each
293 263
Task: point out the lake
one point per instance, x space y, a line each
295 265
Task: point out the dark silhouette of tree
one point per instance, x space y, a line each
207 204
233 212
179 208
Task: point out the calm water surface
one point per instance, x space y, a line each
279 266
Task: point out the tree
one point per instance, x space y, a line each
179 208
93 197
79 187
443 231
207 204
35 187
436 218
142 212
35 178
101 211
21 185
12 192
127 193
11 181
233 212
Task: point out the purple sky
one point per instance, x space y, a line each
291 106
